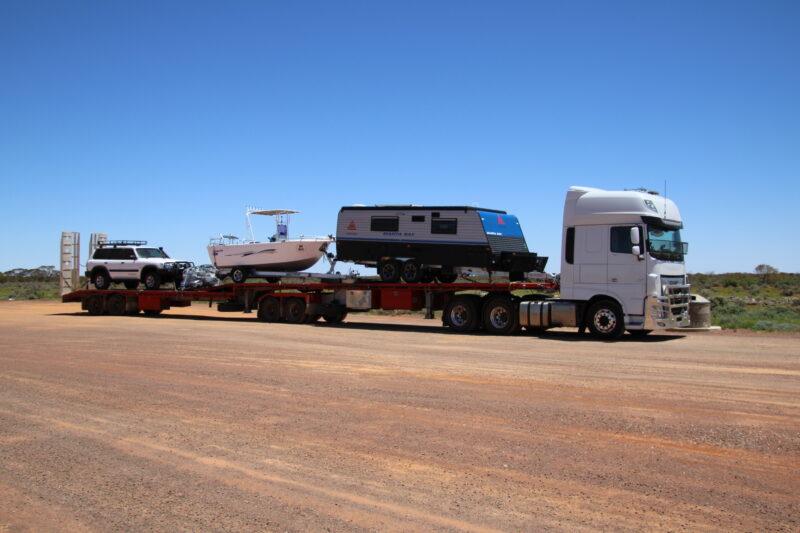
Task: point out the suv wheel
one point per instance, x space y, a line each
101 280
151 280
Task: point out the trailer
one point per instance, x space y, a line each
472 306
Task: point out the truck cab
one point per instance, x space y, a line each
622 255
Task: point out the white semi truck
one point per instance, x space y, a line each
622 269
622 266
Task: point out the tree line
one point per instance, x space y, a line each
42 273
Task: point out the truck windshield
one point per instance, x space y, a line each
148 253
665 244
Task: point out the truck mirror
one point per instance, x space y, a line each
635 236
635 250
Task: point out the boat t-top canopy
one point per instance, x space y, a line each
271 212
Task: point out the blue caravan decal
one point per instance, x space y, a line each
500 225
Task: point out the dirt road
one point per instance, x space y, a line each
202 421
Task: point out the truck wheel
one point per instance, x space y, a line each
412 271
94 305
501 315
101 280
462 313
151 280
239 275
295 311
116 305
336 316
269 310
389 271
131 285
446 275
605 320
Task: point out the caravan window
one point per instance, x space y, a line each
444 225
384 224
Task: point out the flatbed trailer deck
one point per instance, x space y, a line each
467 306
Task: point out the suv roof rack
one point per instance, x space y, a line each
122 243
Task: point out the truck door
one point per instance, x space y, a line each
627 274
590 269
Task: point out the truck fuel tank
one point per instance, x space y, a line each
548 313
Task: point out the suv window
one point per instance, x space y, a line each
102 253
148 253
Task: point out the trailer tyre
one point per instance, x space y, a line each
94 305
462 313
101 280
412 272
446 275
116 305
269 310
239 275
605 320
501 315
152 312
336 316
151 280
389 271
295 311
131 285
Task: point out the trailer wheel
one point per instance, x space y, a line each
428 275
389 270
501 315
462 313
336 316
446 275
604 319
269 310
152 312
239 275
116 305
94 305
151 280
101 280
295 311
412 271
131 285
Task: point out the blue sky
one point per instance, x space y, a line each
161 120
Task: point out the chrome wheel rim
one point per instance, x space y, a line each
498 317
605 320
459 315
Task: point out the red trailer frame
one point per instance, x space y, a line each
467 306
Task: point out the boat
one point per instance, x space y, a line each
242 257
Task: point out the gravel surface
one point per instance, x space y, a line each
200 421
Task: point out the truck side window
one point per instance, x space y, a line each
384 224
621 240
444 225
569 246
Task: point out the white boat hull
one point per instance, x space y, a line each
282 256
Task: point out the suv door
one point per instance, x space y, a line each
122 264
